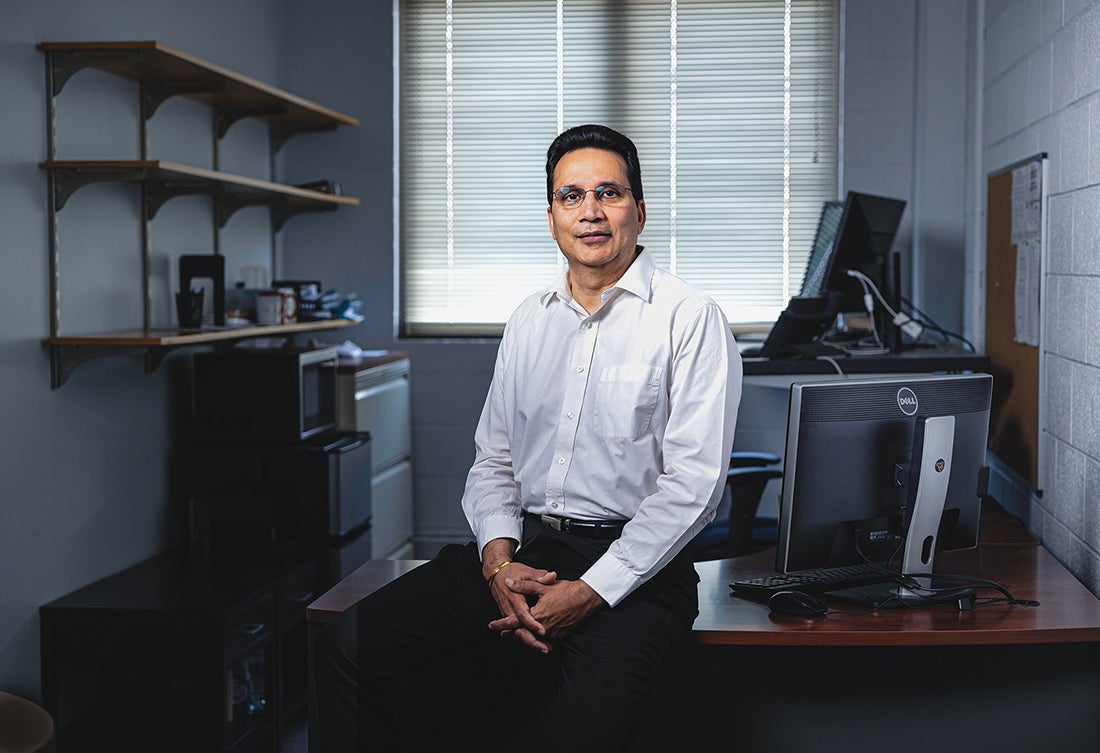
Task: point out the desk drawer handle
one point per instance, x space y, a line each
303 598
252 629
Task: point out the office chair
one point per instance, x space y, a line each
741 531
741 459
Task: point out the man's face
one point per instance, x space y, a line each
594 235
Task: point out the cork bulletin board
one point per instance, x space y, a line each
1015 219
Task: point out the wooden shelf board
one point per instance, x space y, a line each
172 337
161 171
160 63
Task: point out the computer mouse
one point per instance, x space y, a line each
797 603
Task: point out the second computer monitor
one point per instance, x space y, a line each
863 240
828 222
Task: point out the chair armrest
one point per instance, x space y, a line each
742 459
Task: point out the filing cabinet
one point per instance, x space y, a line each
373 395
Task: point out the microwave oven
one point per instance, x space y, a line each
262 395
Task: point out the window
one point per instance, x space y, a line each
733 107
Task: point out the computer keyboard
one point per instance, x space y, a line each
811 581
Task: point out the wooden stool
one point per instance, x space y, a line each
24 726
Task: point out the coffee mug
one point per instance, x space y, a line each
290 305
269 307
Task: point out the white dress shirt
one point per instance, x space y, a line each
627 413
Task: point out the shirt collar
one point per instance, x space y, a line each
638 280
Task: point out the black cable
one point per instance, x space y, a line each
930 322
986 583
948 593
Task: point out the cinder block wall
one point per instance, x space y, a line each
1042 93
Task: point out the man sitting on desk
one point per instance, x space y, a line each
601 451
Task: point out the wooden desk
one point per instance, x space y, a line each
363 581
1068 613
998 678
1007 553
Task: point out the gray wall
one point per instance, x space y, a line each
87 471
906 87
1042 93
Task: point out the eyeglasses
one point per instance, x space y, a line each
609 195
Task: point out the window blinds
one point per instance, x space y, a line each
733 107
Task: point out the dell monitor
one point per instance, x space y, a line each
887 471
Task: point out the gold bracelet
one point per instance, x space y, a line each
496 570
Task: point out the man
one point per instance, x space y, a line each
601 451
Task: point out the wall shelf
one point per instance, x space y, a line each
166 72
161 73
166 180
69 351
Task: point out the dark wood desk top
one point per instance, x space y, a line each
363 581
1067 611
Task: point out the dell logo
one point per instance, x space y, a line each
907 401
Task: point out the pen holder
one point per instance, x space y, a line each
189 309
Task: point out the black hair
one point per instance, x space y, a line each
594 136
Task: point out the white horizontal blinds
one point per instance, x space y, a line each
472 260
734 172
813 127
744 228
617 73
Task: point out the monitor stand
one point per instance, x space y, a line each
933 441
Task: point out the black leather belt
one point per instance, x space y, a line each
587 529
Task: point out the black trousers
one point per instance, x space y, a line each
414 665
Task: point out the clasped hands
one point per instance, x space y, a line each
536 607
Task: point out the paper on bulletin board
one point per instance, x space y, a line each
1026 233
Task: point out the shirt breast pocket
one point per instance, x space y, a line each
626 397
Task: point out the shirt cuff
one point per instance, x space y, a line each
611 579
499 527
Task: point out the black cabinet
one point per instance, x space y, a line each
182 652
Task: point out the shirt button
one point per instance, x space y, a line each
561 461
580 369
555 505
569 415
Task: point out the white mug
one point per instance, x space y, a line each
269 307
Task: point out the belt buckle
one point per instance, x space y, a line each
552 521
